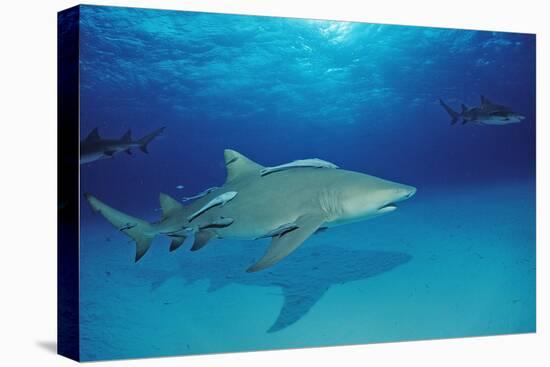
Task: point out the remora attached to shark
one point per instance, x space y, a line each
288 205
93 147
488 113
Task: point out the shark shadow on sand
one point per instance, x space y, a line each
303 279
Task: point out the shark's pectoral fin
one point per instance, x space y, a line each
128 151
201 239
177 242
109 153
284 244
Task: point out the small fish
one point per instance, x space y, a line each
127 226
312 163
219 200
180 187
200 194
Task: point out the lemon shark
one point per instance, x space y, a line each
488 113
94 147
288 206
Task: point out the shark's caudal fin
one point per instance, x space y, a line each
143 142
238 165
454 115
139 230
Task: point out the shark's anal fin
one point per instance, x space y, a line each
201 239
177 241
284 244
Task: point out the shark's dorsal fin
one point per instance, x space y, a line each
93 135
485 101
238 165
127 138
168 204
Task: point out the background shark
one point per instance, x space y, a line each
288 206
94 147
303 279
488 113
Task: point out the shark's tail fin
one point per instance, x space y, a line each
143 142
139 230
454 115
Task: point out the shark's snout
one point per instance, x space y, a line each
403 193
397 195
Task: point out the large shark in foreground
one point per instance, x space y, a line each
288 205
303 278
93 147
488 113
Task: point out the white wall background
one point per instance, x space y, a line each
28 181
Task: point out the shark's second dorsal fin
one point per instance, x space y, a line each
168 204
238 165
485 101
93 135
127 138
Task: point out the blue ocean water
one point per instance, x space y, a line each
457 259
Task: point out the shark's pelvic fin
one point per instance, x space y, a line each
177 241
168 204
93 136
201 239
139 230
238 165
283 245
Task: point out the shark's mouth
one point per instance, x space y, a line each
387 208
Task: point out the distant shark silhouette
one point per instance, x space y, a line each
303 279
488 113
288 204
94 147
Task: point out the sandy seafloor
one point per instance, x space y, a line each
452 262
